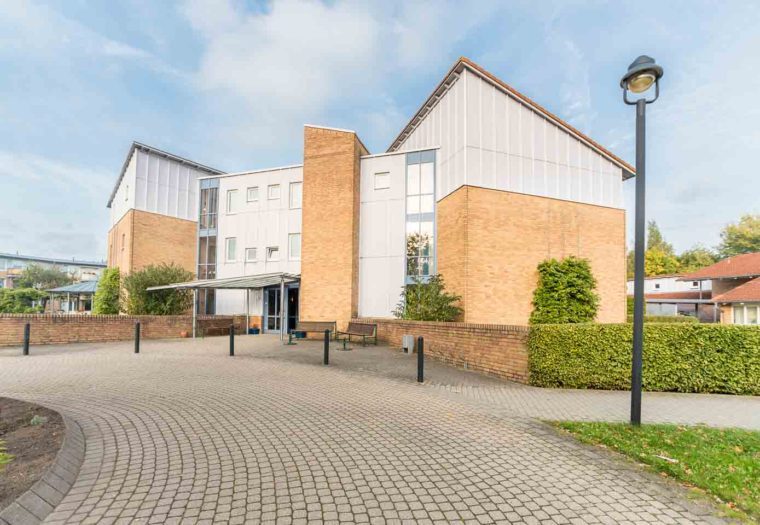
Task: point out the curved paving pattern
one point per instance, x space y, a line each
183 432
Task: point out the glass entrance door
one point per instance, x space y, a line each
272 310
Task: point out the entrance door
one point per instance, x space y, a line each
292 307
272 310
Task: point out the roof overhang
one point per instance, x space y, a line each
465 63
247 282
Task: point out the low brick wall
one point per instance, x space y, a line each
60 329
496 350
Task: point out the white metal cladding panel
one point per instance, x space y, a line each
382 236
260 224
443 127
124 199
512 147
166 186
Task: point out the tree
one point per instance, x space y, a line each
139 301
565 292
655 240
20 300
658 262
742 237
43 277
106 299
428 301
696 258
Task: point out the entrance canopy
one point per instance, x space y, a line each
246 282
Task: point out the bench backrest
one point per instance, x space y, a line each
315 326
367 329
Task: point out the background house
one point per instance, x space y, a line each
11 266
672 295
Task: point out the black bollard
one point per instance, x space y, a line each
420 359
326 360
232 340
27 333
137 337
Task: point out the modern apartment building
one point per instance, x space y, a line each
480 186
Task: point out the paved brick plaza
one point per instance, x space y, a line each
182 432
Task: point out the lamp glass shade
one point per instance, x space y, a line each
641 82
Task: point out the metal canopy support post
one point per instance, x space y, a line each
282 308
195 308
247 311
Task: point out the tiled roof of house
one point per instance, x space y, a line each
706 294
746 265
749 291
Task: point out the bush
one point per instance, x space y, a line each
565 292
428 301
106 299
666 319
139 301
20 300
677 357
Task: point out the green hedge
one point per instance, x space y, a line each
667 319
677 357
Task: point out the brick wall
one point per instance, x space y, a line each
60 329
496 350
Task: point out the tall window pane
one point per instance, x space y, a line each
296 195
230 248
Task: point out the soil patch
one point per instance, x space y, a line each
33 446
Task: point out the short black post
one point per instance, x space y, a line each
137 337
420 360
27 333
232 340
326 359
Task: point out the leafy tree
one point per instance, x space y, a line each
428 301
658 262
742 237
43 277
655 240
106 299
20 300
696 258
139 301
565 292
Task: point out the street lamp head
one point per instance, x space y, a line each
642 73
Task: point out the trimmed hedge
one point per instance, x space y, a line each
667 319
677 357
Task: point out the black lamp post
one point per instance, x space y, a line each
642 73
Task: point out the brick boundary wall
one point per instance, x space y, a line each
61 329
495 350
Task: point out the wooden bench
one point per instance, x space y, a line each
364 330
316 326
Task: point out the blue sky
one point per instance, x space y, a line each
230 84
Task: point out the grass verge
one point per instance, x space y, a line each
723 462
5 458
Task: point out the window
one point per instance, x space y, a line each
273 192
420 214
294 246
382 181
250 255
695 284
231 201
126 193
209 205
252 195
273 253
296 195
230 244
747 314
657 286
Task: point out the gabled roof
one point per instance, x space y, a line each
745 265
150 149
747 292
465 63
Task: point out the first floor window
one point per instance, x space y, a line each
294 245
273 253
273 192
230 247
250 254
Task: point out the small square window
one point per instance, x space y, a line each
382 181
273 253
657 286
296 195
252 195
250 255
695 284
273 192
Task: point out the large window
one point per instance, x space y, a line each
230 247
207 257
296 195
294 246
420 214
209 207
232 205
207 222
747 314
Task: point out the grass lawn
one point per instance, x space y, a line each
723 462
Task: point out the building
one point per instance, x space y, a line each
12 265
154 210
74 298
671 295
735 283
480 186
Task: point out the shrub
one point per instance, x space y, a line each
666 319
21 300
565 292
677 357
106 299
139 301
428 301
